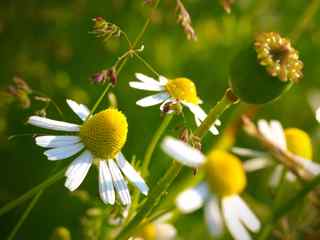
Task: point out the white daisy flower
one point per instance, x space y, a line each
294 140
181 90
158 230
226 179
99 138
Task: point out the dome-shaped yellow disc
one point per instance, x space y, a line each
298 142
105 133
225 174
183 89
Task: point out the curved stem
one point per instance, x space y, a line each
25 215
162 186
283 209
45 184
153 143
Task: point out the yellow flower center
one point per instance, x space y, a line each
148 232
183 89
105 133
298 142
225 174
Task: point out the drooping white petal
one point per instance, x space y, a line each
276 176
146 86
163 80
213 217
53 124
119 183
81 110
255 164
106 189
165 231
192 199
133 176
169 100
146 79
200 115
56 141
78 170
182 152
60 153
232 220
247 152
246 215
278 134
153 99
310 166
265 129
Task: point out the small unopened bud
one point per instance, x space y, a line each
226 4
20 90
184 20
100 77
105 30
61 233
112 75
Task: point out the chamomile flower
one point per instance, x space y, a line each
99 138
226 179
159 229
293 140
172 91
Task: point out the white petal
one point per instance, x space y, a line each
192 199
106 189
146 79
200 116
213 217
182 152
291 177
255 164
318 114
276 176
78 170
60 153
146 86
81 110
265 130
278 134
165 231
247 152
246 215
163 80
232 220
153 99
119 183
310 166
53 124
132 174
56 141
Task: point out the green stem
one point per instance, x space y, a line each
45 184
147 64
162 186
153 143
25 215
227 100
283 209
99 100
305 20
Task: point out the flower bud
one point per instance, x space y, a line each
263 72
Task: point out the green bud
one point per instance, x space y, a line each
264 71
61 233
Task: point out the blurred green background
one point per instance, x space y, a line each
48 44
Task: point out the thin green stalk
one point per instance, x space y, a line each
305 20
283 209
227 100
25 215
146 64
162 186
99 99
45 184
153 143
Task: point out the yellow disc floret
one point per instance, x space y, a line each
148 232
225 173
105 133
183 89
298 142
